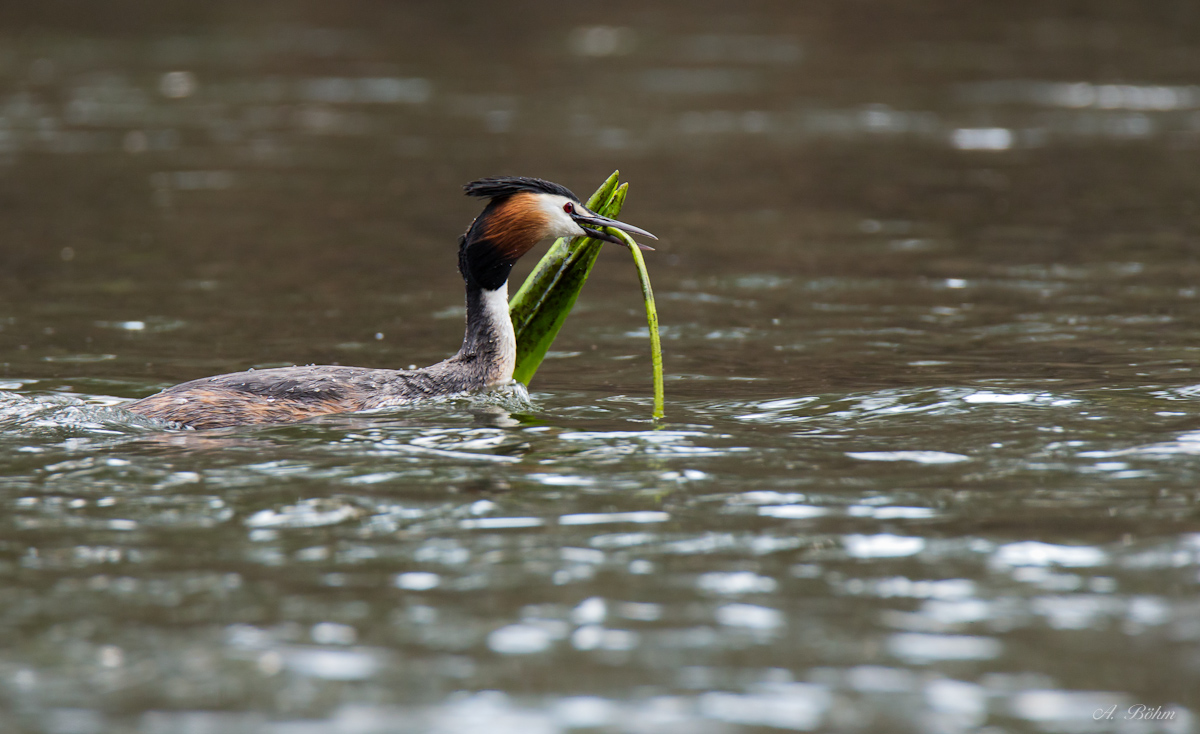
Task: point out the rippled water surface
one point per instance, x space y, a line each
928 281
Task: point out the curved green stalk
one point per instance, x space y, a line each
651 319
540 306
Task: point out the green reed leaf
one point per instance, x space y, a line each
540 306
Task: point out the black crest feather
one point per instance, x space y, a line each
491 188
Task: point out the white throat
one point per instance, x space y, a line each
495 310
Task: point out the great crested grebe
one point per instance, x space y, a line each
520 213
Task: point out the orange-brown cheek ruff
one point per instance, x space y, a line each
515 226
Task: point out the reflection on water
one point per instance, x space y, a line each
927 283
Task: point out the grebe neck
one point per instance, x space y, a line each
489 343
507 228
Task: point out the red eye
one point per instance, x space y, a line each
569 208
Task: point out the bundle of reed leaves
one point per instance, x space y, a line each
540 307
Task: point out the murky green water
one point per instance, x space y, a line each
928 281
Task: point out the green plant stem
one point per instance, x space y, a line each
651 319
542 304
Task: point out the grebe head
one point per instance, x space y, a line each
521 213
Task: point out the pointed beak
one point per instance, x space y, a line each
593 224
